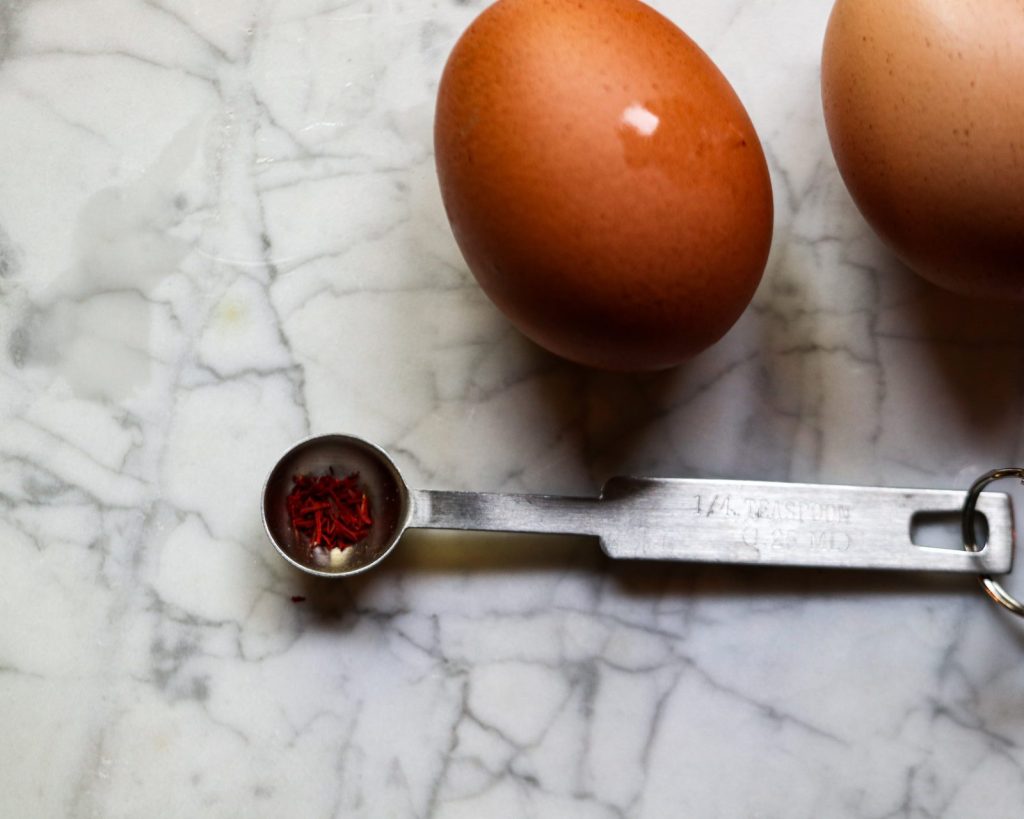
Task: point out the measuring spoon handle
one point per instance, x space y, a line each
739 522
498 512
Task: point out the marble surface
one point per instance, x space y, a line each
220 231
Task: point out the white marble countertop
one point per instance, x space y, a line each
220 231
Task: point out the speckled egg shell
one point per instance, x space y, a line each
602 179
924 102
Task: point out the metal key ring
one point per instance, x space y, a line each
992 588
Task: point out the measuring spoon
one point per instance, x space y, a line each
700 521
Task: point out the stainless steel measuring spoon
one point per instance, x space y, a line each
702 521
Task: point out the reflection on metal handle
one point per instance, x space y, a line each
792 524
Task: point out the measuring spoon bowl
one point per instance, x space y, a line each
379 478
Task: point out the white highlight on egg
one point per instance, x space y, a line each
640 119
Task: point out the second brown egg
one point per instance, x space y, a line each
924 102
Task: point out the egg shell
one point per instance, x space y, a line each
602 179
924 103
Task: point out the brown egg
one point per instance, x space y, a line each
602 179
924 102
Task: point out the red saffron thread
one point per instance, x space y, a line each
328 511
